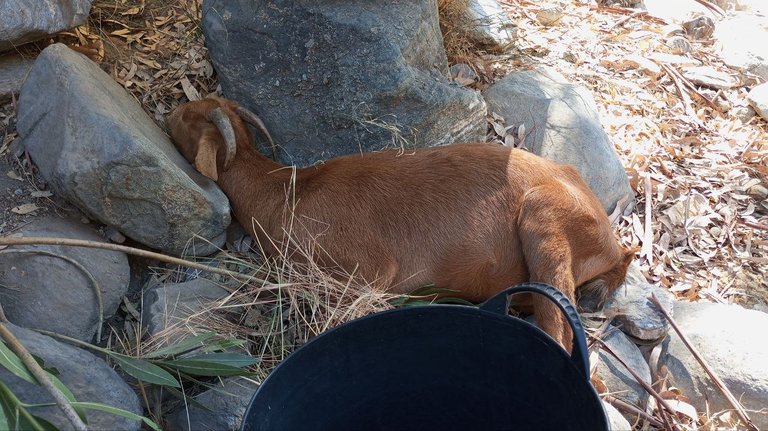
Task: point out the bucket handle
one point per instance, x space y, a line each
499 304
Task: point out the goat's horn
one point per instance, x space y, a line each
222 122
252 119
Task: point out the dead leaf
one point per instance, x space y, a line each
25 209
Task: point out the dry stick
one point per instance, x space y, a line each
629 408
718 382
36 370
711 6
9 241
687 102
628 17
692 88
625 11
662 402
647 249
84 270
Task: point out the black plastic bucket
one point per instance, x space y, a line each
438 367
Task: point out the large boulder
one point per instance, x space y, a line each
89 378
23 21
561 124
732 340
758 99
739 39
98 149
43 291
338 77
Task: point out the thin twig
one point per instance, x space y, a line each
628 17
629 408
8 241
662 402
711 6
37 371
718 382
84 270
647 250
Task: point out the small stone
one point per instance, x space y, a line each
226 406
615 376
708 76
758 99
634 313
679 45
700 28
463 74
549 16
616 421
115 236
168 304
743 113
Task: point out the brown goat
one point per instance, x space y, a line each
473 218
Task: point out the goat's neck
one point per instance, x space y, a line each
257 188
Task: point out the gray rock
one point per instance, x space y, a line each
561 123
732 341
23 21
739 41
493 27
88 377
227 404
616 421
45 292
334 77
679 45
707 76
13 70
98 149
700 28
758 99
632 310
620 383
167 304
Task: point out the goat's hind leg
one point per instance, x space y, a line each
542 225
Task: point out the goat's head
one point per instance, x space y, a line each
599 288
207 132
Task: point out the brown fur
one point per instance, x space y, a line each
474 218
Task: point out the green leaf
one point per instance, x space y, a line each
225 344
118 412
145 371
204 368
12 362
182 346
189 400
224 358
17 417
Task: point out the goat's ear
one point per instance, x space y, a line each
629 255
205 160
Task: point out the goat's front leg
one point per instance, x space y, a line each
542 223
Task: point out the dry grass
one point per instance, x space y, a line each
302 301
